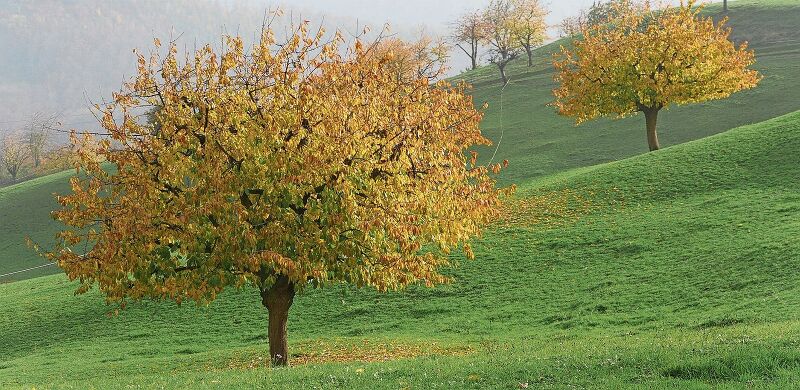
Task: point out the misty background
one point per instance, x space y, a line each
59 56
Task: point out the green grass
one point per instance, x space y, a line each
680 273
25 212
673 269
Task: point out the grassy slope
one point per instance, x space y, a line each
679 274
538 142
25 212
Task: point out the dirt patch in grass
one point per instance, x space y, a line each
363 352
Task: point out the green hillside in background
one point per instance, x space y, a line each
25 213
529 133
674 268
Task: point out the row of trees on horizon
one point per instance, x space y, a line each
31 150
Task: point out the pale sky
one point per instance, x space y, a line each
435 14
407 17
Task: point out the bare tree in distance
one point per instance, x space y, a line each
13 154
467 35
572 25
37 136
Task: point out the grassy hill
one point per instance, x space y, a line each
539 142
670 269
25 212
534 139
673 269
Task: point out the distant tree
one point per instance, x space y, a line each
423 58
529 25
57 159
287 167
499 35
600 12
13 155
572 26
467 34
37 136
647 61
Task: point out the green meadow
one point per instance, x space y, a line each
611 267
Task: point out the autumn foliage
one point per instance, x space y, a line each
467 33
424 57
529 25
645 60
285 167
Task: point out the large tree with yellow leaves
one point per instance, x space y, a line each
645 59
285 167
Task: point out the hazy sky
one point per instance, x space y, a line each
99 74
406 17
435 14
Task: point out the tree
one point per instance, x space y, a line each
600 12
286 167
647 61
498 33
37 136
605 12
13 155
572 26
424 58
725 5
529 25
467 34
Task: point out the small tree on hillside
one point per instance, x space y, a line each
13 155
647 61
289 167
467 35
529 25
499 35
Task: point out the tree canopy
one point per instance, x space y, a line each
288 166
500 36
645 60
529 25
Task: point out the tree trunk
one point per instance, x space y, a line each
530 55
474 56
278 299
502 67
724 5
651 117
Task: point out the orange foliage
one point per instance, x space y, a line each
366 352
290 161
423 58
